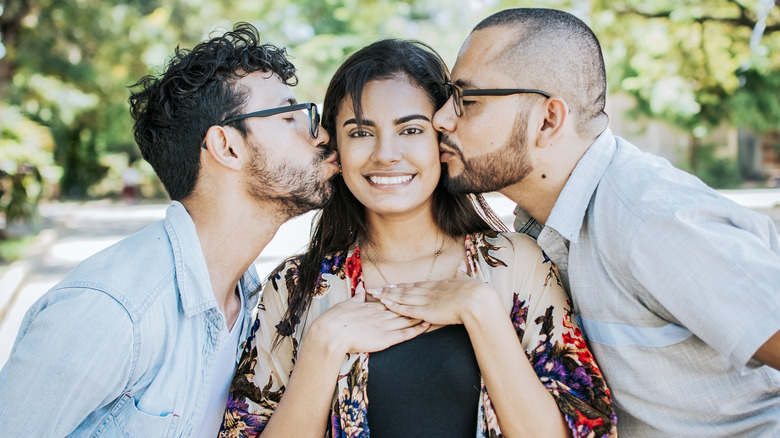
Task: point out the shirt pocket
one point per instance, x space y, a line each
126 420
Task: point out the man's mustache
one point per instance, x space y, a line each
455 148
325 152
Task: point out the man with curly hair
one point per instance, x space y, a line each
141 339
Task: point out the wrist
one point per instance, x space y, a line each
323 338
483 305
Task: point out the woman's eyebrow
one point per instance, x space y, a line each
397 121
355 122
410 117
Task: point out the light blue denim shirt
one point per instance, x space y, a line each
675 287
124 345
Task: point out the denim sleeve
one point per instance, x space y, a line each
717 274
72 356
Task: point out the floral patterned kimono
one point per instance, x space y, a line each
511 263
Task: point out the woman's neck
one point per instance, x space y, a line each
406 250
395 238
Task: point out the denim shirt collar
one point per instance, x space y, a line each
192 274
569 210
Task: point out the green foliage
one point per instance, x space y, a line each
26 165
717 172
756 104
72 62
692 65
320 34
69 63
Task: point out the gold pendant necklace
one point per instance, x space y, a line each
430 271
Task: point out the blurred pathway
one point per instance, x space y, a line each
74 231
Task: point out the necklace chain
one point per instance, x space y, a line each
430 271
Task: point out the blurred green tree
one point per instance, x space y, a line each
696 65
66 65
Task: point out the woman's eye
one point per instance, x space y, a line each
412 131
359 134
468 102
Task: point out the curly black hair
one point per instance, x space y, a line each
198 89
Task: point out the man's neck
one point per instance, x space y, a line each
538 192
538 199
232 235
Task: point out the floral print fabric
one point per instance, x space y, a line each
512 264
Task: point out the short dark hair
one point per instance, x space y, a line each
556 52
342 222
198 89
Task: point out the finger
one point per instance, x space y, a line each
360 293
413 296
400 322
410 332
417 284
390 338
462 269
402 309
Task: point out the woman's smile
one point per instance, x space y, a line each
389 180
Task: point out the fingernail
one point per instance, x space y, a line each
385 302
374 292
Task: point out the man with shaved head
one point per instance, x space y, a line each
676 287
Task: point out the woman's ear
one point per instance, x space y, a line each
555 117
224 146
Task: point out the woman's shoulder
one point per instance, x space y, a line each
331 263
288 273
507 244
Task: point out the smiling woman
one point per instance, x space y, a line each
434 371
390 158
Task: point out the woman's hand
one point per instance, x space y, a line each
357 326
437 302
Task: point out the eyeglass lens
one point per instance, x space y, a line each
314 121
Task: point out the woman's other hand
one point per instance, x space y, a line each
441 302
357 326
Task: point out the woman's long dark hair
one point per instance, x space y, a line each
342 223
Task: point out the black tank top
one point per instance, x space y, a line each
425 387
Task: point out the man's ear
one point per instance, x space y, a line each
555 116
224 146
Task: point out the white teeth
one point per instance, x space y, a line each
387 180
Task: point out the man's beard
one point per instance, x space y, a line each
493 171
296 188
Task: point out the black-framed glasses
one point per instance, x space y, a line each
309 107
458 93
